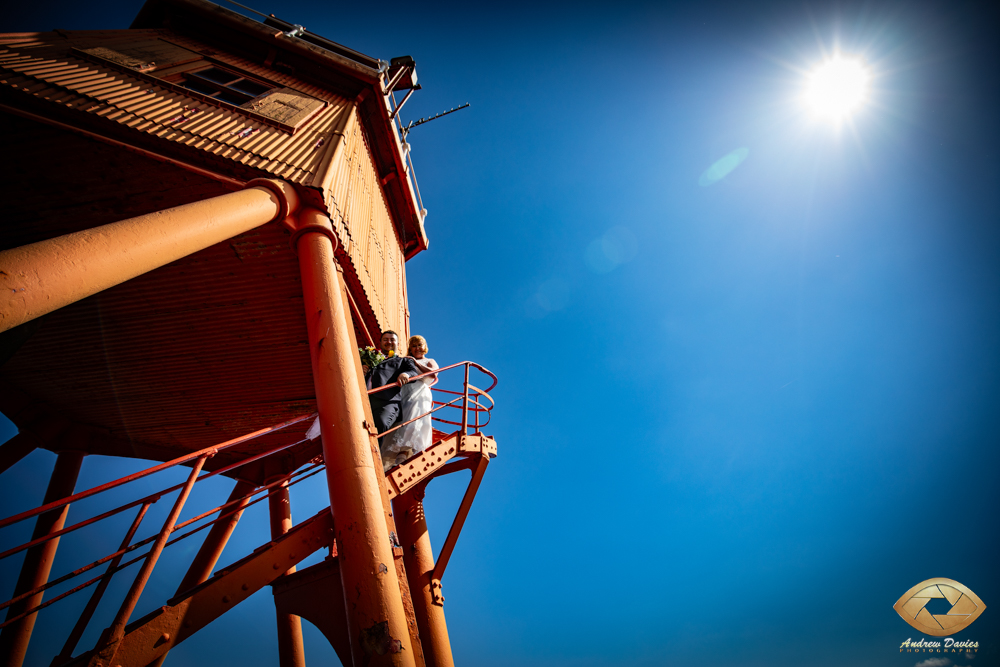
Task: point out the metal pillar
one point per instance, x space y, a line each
208 555
419 560
376 618
291 652
211 549
42 277
16 449
38 560
117 630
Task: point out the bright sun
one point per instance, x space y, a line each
837 87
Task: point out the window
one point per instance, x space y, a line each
225 86
180 69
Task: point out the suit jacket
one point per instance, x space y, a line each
388 373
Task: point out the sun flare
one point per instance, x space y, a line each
837 88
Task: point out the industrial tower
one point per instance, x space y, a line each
207 214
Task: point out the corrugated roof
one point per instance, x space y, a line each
52 72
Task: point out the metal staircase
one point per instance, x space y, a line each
315 593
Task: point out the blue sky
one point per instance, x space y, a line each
736 421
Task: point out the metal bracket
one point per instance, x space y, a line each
436 596
460 516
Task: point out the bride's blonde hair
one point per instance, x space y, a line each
418 339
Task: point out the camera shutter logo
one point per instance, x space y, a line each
965 607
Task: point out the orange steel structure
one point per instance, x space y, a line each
211 212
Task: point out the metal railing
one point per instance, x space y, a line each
162 539
466 400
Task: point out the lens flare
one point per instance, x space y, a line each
723 166
837 87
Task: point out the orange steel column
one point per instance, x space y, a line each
38 560
291 652
218 536
375 615
215 542
419 560
41 277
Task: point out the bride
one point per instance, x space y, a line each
413 438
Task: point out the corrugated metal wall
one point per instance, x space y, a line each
44 66
53 73
360 213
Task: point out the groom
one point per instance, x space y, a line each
395 370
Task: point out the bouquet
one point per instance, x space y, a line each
370 357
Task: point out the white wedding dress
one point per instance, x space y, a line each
416 399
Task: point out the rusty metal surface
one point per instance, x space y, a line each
352 480
432 460
360 215
317 595
53 72
202 350
155 634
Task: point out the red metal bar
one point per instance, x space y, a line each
441 370
418 558
121 567
359 318
460 516
117 630
211 549
82 524
291 651
162 466
150 498
384 433
376 620
465 403
38 562
480 408
16 449
231 182
312 471
95 598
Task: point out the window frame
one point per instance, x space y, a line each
175 81
227 88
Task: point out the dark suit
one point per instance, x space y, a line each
386 404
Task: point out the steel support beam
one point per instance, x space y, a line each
210 552
16 449
390 523
42 277
291 651
37 564
419 560
215 542
375 613
148 638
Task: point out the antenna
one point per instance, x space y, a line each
414 123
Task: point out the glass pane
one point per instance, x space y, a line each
201 86
217 75
251 88
233 97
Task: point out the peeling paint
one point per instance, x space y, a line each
377 640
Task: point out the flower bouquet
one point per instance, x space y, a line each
370 357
